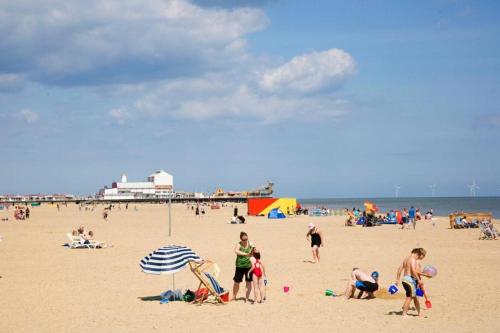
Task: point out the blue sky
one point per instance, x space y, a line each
325 98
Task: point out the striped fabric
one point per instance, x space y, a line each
218 289
168 260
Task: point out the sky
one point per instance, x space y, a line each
324 98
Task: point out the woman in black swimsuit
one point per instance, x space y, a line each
316 240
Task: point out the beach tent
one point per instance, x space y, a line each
276 213
262 206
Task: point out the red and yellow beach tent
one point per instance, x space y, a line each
262 206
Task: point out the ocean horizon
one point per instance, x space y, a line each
441 206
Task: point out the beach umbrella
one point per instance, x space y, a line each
370 207
168 260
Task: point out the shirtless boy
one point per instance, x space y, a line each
362 281
412 278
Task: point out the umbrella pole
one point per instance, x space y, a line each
173 282
170 215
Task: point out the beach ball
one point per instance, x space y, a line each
431 270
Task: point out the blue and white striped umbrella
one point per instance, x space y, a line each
168 260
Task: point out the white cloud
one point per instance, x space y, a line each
310 73
223 96
28 116
170 58
94 41
120 115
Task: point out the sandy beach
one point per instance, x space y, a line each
48 288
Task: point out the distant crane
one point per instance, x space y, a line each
396 190
433 190
472 188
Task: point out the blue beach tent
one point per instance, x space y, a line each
276 213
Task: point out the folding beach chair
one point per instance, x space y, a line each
458 223
75 242
208 281
486 231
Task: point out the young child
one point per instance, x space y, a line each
258 276
412 278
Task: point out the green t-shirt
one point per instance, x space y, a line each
244 261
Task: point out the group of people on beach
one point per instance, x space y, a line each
411 272
22 213
250 268
406 217
85 236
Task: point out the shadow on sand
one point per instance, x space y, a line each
156 298
399 313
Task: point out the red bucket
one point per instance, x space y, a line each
225 297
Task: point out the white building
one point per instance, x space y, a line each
158 185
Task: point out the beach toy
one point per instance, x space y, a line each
420 292
329 292
225 297
428 304
286 289
392 289
430 270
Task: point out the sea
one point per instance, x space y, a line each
441 206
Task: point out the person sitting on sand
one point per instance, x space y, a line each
316 240
87 237
81 230
349 221
487 223
412 278
363 282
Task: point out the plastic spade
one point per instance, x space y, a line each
428 303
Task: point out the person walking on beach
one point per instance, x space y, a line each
411 279
316 241
404 218
243 251
412 217
27 213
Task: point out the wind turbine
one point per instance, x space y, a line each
472 188
433 190
396 190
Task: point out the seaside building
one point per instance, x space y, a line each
36 197
158 185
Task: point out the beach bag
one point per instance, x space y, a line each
188 296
